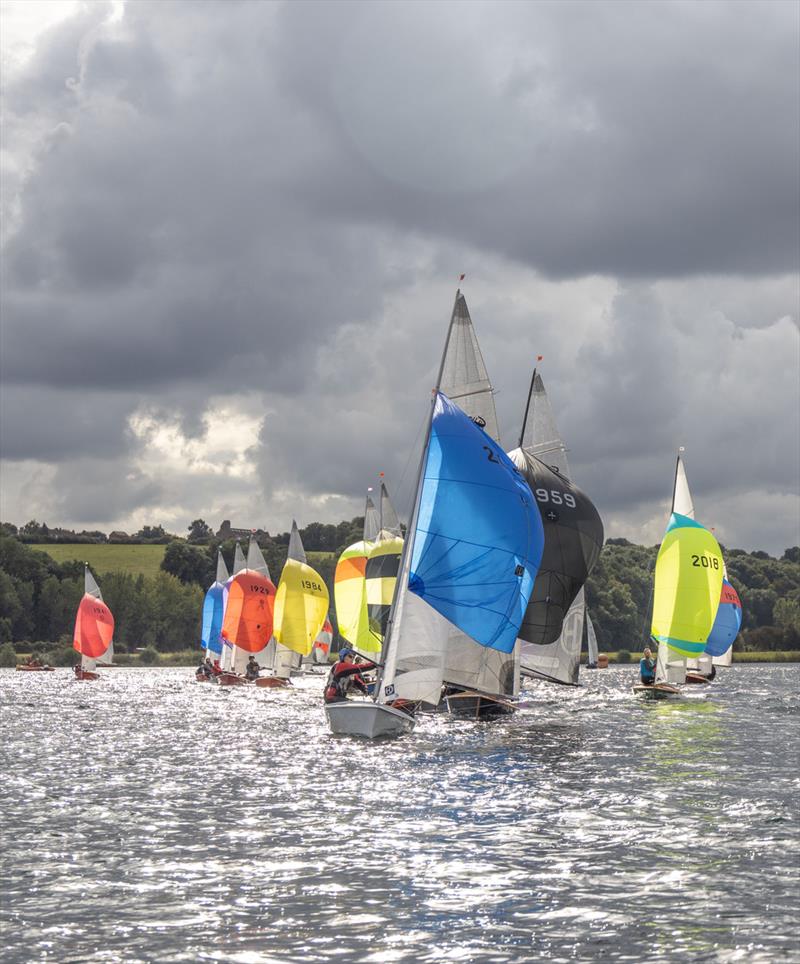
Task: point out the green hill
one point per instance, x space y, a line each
134 559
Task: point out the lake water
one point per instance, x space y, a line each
149 818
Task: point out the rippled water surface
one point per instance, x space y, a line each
150 818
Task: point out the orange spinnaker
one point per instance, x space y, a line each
249 613
94 627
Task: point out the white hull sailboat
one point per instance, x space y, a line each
367 719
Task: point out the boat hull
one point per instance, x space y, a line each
272 682
656 691
472 705
35 669
367 719
697 678
86 675
231 679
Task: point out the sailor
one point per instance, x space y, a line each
252 669
344 674
216 669
647 668
202 669
208 668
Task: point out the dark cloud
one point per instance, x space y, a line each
263 207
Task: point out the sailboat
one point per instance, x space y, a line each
94 628
239 565
719 645
213 614
383 562
301 609
248 620
322 644
469 561
686 592
593 656
478 681
552 631
350 587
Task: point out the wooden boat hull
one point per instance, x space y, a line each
231 679
35 669
86 675
367 719
656 691
201 678
272 682
697 678
477 706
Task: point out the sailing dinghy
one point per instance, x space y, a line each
213 615
248 620
350 588
719 645
94 628
479 682
467 569
552 631
301 609
686 593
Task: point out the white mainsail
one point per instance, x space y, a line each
591 641
466 382
239 564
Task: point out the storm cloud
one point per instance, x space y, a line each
233 232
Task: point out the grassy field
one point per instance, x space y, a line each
144 560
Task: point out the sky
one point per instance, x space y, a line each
233 231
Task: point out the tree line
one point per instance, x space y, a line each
39 597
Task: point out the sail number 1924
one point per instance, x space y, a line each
706 562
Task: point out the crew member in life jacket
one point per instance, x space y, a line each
252 669
647 668
344 674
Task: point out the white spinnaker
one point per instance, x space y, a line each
560 660
591 640
466 382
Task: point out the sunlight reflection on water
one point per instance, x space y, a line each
149 818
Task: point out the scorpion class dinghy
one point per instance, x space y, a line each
213 615
552 630
469 561
94 628
686 593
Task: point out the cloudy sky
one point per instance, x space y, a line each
232 233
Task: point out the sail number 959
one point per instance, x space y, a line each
554 496
707 562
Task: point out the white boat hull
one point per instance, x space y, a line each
367 719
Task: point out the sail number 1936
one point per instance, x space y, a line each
707 562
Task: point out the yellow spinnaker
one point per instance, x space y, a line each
383 564
350 594
301 606
688 583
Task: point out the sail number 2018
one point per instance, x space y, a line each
707 562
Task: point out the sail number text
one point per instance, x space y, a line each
554 496
707 562
310 584
264 590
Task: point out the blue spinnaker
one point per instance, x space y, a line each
727 624
213 613
479 536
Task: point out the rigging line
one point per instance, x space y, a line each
411 451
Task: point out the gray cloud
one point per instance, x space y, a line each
268 203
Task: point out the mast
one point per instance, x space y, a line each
408 545
527 409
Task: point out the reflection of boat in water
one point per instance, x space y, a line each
687 585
